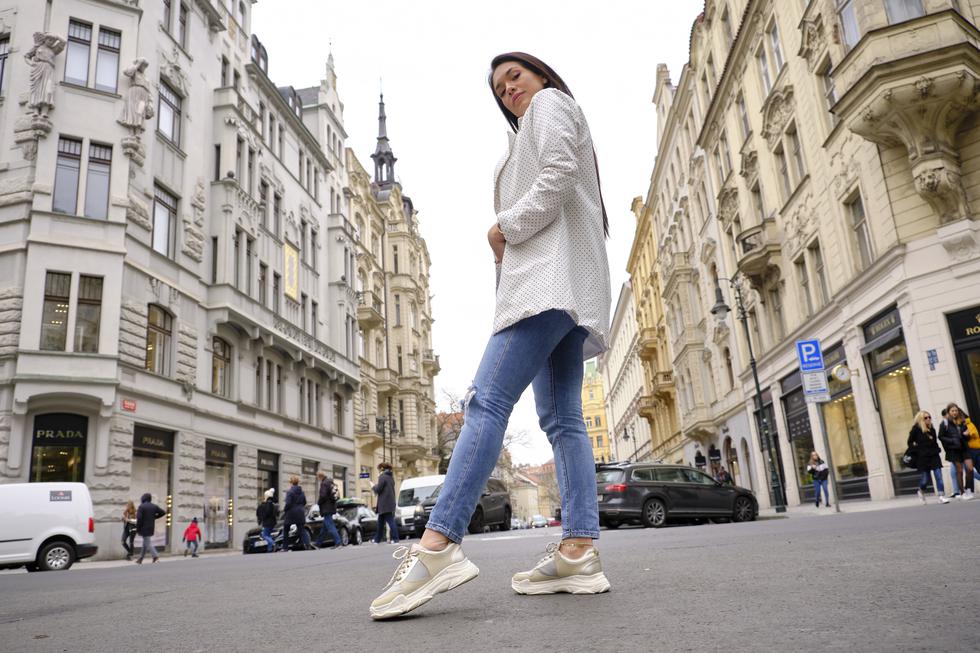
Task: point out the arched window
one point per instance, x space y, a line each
220 367
728 368
159 339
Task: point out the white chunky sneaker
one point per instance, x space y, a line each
943 499
921 496
420 575
555 573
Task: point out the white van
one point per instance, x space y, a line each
411 493
45 526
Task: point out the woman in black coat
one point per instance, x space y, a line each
294 512
385 489
924 446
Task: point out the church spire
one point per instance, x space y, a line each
384 158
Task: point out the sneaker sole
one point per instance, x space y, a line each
449 578
594 584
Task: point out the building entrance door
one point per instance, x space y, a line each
964 328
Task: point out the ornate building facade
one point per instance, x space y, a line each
823 156
594 412
174 241
395 408
622 380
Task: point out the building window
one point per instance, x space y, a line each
264 284
164 221
97 181
263 203
780 155
54 317
862 235
338 413
303 302
249 256
168 122
394 250
803 278
220 366
276 292
816 260
729 370
313 318
398 310
182 26
760 57
88 314
726 27
829 91
282 140
237 256
726 156
4 53
848 22
777 50
107 60
796 151
159 332
900 11
398 349
758 207
743 116
277 214
66 176
76 57
167 14
303 248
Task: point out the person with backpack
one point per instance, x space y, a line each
819 472
146 516
192 535
924 447
267 515
327 502
294 513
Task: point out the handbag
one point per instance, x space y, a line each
909 458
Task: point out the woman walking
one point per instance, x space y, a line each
954 434
552 312
819 472
294 513
924 445
385 507
129 529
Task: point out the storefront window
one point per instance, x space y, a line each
800 437
896 397
843 429
964 329
58 453
219 503
152 463
268 468
309 481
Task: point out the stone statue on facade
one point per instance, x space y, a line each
41 59
137 109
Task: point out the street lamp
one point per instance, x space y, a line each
626 436
384 426
721 310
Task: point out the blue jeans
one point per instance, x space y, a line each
817 485
389 519
267 536
192 547
954 479
937 474
148 546
328 527
544 351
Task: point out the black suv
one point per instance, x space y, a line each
653 494
492 510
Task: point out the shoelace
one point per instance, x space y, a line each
406 556
550 549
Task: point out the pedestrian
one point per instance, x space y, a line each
327 502
294 514
146 516
129 528
971 454
924 446
699 460
724 477
819 472
955 438
192 534
385 507
714 457
552 312
953 448
267 514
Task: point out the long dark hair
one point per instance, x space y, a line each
554 80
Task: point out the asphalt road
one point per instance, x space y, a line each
901 579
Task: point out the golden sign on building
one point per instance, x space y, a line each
290 266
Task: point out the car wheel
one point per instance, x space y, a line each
612 524
654 513
744 510
358 537
55 556
344 537
506 525
476 522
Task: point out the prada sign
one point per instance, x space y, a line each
215 452
309 467
964 325
152 439
268 461
60 429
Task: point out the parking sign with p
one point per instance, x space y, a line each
811 358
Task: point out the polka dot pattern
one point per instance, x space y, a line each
546 197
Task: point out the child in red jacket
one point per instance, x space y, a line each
192 536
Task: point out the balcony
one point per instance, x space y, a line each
649 343
386 380
759 247
369 312
672 265
647 407
366 433
698 424
663 385
915 84
410 448
430 362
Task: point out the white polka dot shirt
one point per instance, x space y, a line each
546 197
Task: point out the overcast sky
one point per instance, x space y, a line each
448 134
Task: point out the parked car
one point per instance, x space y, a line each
45 526
492 510
411 493
358 512
653 494
554 522
516 524
539 521
350 533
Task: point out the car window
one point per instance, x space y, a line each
415 496
496 486
669 475
643 474
694 476
609 476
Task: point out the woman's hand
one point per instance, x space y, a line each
497 242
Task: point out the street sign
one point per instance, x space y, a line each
364 475
815 388
811 358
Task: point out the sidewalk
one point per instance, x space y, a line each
865 505
164 557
